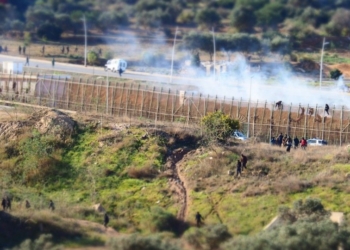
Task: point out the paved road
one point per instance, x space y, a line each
47 65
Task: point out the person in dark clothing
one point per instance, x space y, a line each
8 203
289 144
0 48
273 141
120 72
19 49
43 50
27 204
326 108
238 168
51 205
62 50
24 50
3 203
199 219
67 49
279 105
244 161
76 49
296 142
27 60
100 51
280 139
53 62
106 220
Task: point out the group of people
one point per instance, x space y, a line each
287 141
6 204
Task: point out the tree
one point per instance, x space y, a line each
339 24
92 57
111 19
271 15
218 127
208 18
243 18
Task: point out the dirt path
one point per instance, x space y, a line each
177 181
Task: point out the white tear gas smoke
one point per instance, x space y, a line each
272 84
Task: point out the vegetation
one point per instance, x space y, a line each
126 171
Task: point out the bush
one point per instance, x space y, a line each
243 18
163 221
141 173
42 243
136 242
335 74
92 57
218 126
208 237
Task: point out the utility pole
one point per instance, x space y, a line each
214 45
172 57
85 32
321 63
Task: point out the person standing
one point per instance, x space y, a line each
53 62
8 203
120 72
27 204
51 205
303 143
24 50
199 219
106 220
19 49
3 203
238 168
296 142
244 161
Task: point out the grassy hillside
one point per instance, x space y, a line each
126 169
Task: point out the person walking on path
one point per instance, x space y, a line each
106 220
120 72
19 50
199 219
238 168
244 161
27 61
53 62
51 205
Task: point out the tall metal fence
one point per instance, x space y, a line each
261 119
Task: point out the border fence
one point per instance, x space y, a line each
262 119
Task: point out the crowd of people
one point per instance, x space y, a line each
288 142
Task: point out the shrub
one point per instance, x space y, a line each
208 237
218 126
141 173
42 243
92 57
335 74
136 242
162 221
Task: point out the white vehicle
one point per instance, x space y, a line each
239 136
115 65
316 142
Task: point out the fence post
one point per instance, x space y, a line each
330 126
305 123
341 126
263 118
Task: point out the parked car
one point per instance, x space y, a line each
239 135
115 65
316 142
